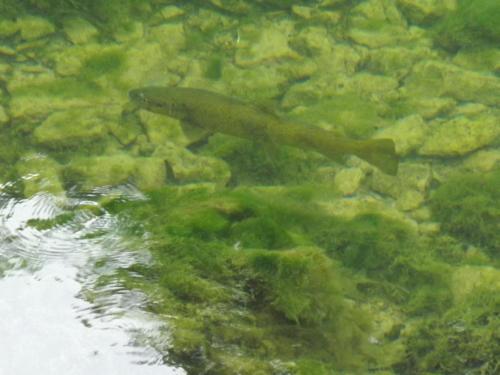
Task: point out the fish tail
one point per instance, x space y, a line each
380 153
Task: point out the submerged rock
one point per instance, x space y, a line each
79 30
34 27
483 161
461 135
71 128
188 167
264 43
408 134
444 79
425 11
348 181
89 173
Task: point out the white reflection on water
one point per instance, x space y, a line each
45 328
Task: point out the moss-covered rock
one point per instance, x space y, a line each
264 44
461 135
465 338
37 97
33 27
71 128
110 170
255 301
408 134
468 207
446 80
473 24
425 12
378 23
79 31
187 167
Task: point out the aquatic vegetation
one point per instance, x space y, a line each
468 207
109 62
253 163
463 340
473 24
211 266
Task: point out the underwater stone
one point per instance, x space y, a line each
33 27
171 37
430 107
69 61
147 63
482 59
396 61
79 30
71 128
188 167
377 23
375 88
444 79
348 180
37 95
470 110
39 173
312 41
111 170
8 28
460 135
483 161
232 6
350 207
7 51
161 129
425 11
134 31
408 133
254 84
171 11
410 187
303 11
264 43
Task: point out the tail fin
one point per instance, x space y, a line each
380 153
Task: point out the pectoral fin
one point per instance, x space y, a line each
197 137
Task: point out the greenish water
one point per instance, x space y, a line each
122 250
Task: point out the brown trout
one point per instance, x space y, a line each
211 113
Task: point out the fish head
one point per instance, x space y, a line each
163 100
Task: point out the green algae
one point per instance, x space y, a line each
474 24
468 207
464 340
257 163
45 224
106 63
258 299
62 88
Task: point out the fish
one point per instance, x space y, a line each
207 112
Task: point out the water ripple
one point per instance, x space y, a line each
52 305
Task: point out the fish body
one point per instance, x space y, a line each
216 113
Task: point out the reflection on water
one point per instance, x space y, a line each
46 326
